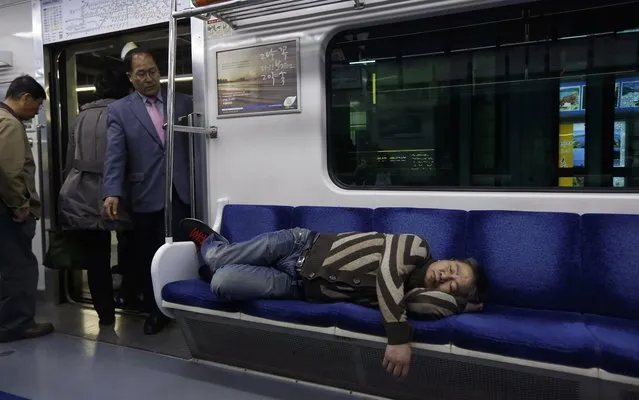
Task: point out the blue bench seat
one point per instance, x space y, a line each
351 317
195 293
546 336
618 341
293 311
563 286
356 318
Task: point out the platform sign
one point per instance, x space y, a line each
258 80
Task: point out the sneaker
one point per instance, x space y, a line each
198 231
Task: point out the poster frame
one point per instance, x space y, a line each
298 69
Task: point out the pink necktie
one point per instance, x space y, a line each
156 117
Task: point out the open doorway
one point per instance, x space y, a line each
76 65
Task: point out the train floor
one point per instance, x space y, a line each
80 361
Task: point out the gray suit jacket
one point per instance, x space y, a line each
135 155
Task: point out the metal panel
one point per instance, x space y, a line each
356 365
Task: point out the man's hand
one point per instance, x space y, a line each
21 214
397 359
111 205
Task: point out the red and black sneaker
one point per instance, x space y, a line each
198 231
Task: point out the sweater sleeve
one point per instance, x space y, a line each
401 254
115 159
432 304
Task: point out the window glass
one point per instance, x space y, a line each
539 96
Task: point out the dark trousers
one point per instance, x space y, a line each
126 250
98 244
149 236
18 275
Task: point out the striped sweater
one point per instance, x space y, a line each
376 270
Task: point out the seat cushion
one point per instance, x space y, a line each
242 222
443 229
195 293
547 336
610 272
293 311
532 259
356 318
333 219
618 344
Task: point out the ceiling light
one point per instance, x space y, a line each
363 62
91 88
24 35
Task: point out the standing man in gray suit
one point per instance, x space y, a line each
134 171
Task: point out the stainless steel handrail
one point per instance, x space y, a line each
170 127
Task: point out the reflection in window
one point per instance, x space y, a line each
514 97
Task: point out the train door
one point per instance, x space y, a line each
73 68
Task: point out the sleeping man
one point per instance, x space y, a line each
394 272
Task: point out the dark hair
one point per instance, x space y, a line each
25 84
480 288
128 59
112 84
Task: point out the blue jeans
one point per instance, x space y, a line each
264 267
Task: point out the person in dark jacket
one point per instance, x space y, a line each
80 201
393 272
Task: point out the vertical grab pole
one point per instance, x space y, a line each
170 125
192 168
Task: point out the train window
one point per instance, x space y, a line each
540 96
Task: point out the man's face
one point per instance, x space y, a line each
453 277
27 107
145 75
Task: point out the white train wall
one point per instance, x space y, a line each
282 159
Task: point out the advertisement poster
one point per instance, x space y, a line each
572 146
569 98
619 149
258 80
565 152
629 97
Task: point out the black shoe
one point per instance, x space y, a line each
155 323
198 231
37 330
128 303
31 332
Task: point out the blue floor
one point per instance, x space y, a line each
65 367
